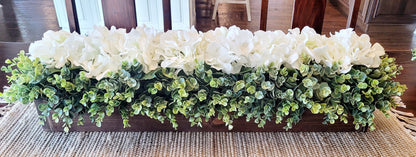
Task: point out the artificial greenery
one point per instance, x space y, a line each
413 54
256 93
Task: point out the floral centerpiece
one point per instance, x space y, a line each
225 73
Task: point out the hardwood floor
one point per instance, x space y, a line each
25 21
408 77
280 12
279 18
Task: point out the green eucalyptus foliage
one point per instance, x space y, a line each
257 93
413 54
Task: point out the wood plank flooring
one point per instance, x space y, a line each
280 14
25 21
408 77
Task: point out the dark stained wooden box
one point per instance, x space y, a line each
309 123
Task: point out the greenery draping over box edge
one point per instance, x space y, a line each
259 93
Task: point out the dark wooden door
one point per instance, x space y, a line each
121 14
392 12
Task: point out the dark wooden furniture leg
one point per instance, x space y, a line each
263 14
121 14
167 18
354 7
309 13
71 12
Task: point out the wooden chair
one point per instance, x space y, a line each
126 20
311 13
246 2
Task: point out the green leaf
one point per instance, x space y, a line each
374 83
109 110
202 95
182 83
152 91
183 93
304 69
344 88
80 120
251 89
267 85
308 83
224 102
55 117
289 94
323 91
150 75
239 85
213 83
136 108
43 107
160 107
362 85
248 99
259 95
8 61
315 108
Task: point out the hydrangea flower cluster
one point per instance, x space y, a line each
225 49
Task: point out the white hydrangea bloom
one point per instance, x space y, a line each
75 44
225 49
101 65
51 49
350 49
269 47
364 53
141 44
179 49
102 51
295 45
112 41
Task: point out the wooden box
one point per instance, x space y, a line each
309 123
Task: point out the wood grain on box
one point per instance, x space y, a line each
309 123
